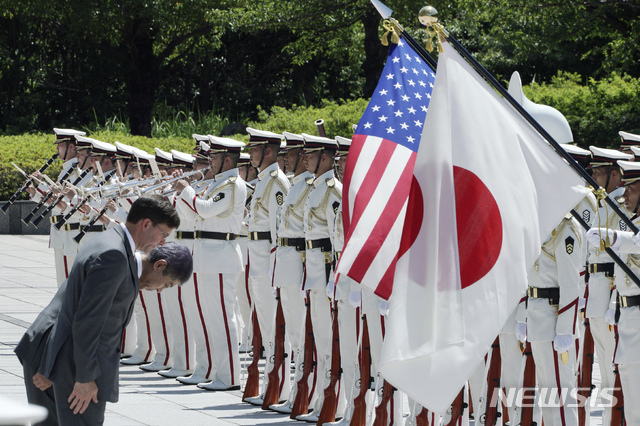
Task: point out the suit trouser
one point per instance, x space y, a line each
44 398
218 300
61 272
94 414
557 382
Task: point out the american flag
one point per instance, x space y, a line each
379 169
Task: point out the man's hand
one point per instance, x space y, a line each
82 395
180 185
41 382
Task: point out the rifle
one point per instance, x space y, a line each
617 411
422 418
301 403
252 387
51 206
381 409
528 388
457 408
586 386
47 197
26 184
272 394
320 125
359 416
493 383
329 406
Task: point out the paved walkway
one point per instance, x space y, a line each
27 283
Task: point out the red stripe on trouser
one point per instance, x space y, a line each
66 268
146 320
559 385
226 328
204 326
164 330
184 328
382 325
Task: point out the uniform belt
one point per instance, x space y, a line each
322 243
255 235
93 228
628 301
184 235
56 218
70 226
606 268
553 294
298 243
227 236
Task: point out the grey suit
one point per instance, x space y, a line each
84 343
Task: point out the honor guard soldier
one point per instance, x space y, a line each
289 267
348 305
182 340
627 298
242 288
628 140
268 197
192 293
66 147
550 314
220 211
606 173
319 220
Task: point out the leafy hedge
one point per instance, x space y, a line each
596 112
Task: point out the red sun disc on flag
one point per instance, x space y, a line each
413 219
479 226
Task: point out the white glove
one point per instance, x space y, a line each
384 307
562 343
594 235
610 316
355 298
636 239
582 302
274 292
521 331
331 286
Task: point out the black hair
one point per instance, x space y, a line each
156 208
179 260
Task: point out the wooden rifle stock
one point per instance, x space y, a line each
26 184
381 409
301 403
252 387
272 394
528 385
320 125
330 403
422 418
493 383
585 385
359 416
457 408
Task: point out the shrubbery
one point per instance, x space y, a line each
596 112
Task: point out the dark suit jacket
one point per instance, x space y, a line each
84 344
31 347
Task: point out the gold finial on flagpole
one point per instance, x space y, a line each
428 17
392 27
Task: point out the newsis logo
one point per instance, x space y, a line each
550 397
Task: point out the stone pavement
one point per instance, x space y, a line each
27 284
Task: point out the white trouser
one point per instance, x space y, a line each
630 380
511 362
159 327
349 323
322 336
129 338
556 382
181 340
193 297
218 301
144 346
61 271
294 314
261 294
604 345
244 306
